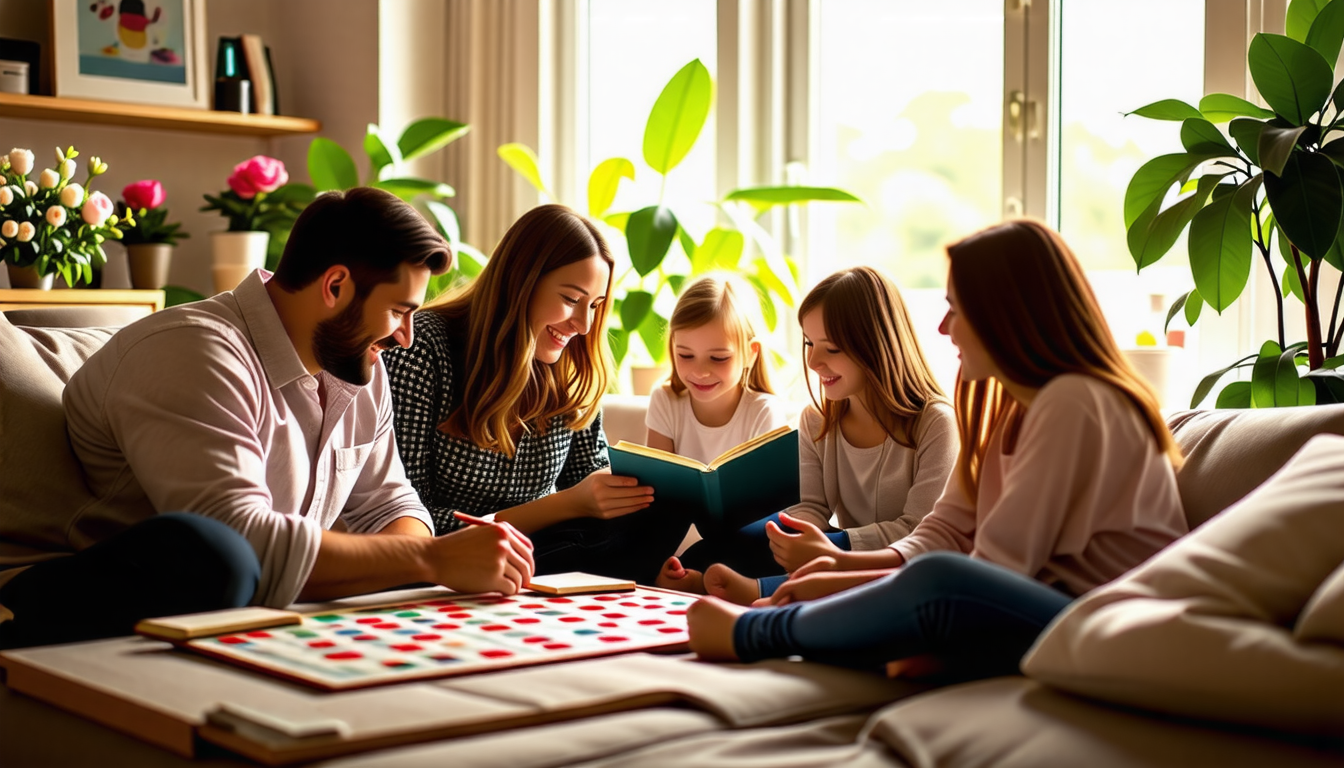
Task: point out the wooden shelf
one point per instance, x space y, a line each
28 107
29 298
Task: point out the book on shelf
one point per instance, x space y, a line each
744 484
259 70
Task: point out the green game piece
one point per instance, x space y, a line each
408 614
329 617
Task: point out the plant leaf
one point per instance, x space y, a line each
1294 79
1246 132
1275 145
1194 305
619 340
1153 234
1151 182
1222 107
1308 202
764 198
722 249
1327 32
771 281
687 242
1292 284
330 166
446 218
1206 383
408 188
522 159
653 332
768 312
1301 15
1176 306
1199 136
677 117
381 153
649 234
604 181
1220 247
617 220
428 135
1166 109
1331 363
176 294
634 307
1235 395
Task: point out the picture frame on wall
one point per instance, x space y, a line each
138 51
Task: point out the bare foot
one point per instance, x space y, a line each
711 622
916 667
674 576
725 583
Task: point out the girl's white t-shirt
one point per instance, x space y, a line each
670 414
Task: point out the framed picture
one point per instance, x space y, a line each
142 51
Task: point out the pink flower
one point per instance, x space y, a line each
26 231
56 216
257 175
147 194
96 209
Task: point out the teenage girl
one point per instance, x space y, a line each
497 404
875 450
1065 480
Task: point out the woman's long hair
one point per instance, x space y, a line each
505 386
1024 294
732 302
866 319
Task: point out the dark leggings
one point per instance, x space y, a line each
747 551
167 565
976 615
632 546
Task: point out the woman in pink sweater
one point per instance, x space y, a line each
1065 479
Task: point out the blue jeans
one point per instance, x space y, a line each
167 565
974 614
747 551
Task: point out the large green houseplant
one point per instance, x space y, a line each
1270 187
653 232
331 167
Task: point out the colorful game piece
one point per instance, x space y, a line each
454 635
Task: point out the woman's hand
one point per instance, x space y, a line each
792 550
605 496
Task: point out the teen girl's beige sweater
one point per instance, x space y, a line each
1085 496
908 480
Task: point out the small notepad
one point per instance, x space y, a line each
577 583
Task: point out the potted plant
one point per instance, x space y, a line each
1269 188
50 225
258 201
148 237
331 167
738 243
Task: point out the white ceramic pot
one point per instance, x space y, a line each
149 264
236 255
644 377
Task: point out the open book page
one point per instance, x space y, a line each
654 453
750 445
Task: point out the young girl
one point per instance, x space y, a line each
1066 479
497 404
875 450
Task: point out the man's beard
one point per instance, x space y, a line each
341 345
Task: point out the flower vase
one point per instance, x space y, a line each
236 255
149 264
27 277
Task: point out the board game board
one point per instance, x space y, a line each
455 635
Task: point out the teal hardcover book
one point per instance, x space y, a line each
745 484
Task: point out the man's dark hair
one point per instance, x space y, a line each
370 231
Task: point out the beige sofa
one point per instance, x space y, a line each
834 718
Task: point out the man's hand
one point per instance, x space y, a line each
606 496
792 550
484 557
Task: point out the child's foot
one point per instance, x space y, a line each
674 576
725 583
711 622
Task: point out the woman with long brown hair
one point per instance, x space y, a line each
1065 480
497 404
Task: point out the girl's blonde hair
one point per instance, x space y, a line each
726 299
505 387
1024 294
865 317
